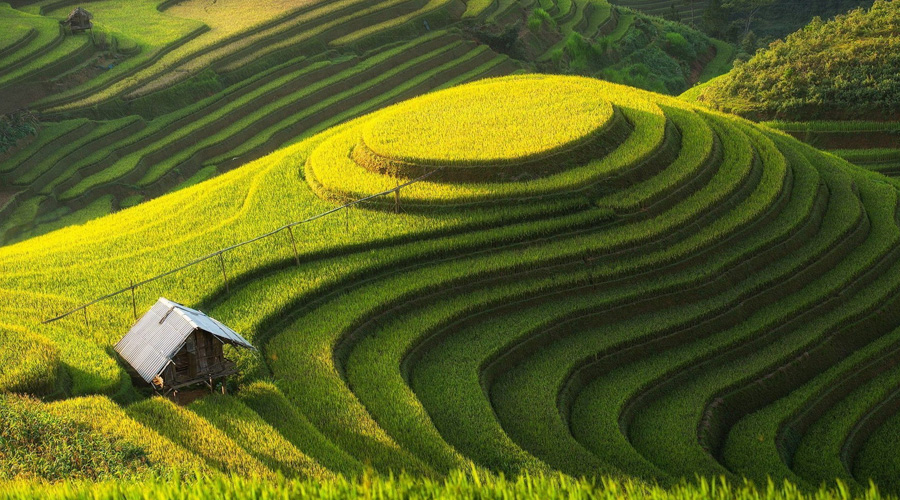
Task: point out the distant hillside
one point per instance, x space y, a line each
846 68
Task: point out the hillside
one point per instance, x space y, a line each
835 85
162 96
846 68
610 282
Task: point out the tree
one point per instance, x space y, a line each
691 4
747 7
673 14
749 43
15 126
715 20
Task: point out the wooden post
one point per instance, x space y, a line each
397 200
294 244
84 310
133 301
347 219
224 275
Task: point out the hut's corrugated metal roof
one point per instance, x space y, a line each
211 325
152 342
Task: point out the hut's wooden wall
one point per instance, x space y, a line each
201 357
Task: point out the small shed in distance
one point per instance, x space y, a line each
78 20
173 346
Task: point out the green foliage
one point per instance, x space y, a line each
36 444
15 126
749 43
721 63
636 75
206 97
667 75
539 18
679 46
715 18
846 68
583 55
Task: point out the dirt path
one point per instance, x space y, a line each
699 65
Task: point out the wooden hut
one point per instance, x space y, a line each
78 20
173 347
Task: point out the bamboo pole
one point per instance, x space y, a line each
224 274
294 244
213 255
133 301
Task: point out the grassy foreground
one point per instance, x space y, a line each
457 485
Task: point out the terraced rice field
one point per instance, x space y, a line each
872 145
640 288
33 45
592 19
688 12
78 168
206 88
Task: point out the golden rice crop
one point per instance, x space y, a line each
498 120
